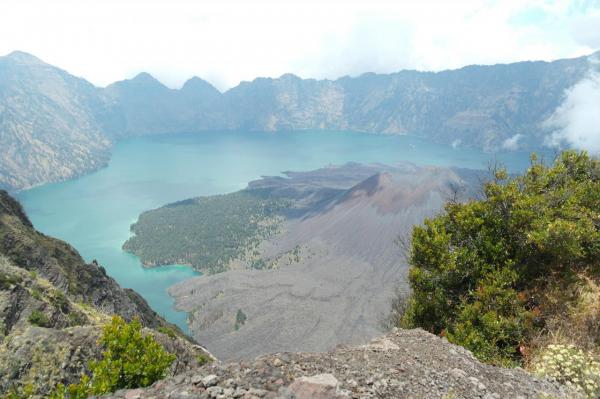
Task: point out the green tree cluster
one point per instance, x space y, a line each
206 232
39 318
131 359
479 270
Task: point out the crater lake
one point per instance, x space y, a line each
94 212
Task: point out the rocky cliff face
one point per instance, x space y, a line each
402 364
48 128
54 126
52 308
478 106
60 264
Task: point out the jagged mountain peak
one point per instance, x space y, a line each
142 80
376 183
23 57
289 76
196 84
145 77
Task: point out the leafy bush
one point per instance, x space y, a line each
494 322
240 319
202 359
36 294
76 318
131 359
8 280
480 270
39 318
167 331
59 300
571 366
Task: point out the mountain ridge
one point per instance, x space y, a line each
55 126
25 56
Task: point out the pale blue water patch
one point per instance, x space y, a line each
94 212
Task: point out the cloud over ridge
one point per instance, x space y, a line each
576 122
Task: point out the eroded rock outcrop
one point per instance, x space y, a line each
53 306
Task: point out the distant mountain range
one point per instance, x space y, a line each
54 126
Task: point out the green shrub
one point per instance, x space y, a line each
79 391
479 271
494 323
76 318
571 366
39 318
240 319
59 300
202 359
167 331
8 280
131 359
36 294
20 393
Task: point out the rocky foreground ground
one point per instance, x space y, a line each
402 364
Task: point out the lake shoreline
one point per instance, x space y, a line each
93 212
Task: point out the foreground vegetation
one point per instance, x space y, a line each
206 232
510 274
131 359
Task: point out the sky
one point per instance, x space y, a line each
227 41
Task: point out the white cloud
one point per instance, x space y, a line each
225 41
576 121
512 143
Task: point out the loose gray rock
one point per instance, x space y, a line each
320 386
210 380
403 364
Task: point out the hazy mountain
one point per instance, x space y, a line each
479 106
54 126
143 105
48 130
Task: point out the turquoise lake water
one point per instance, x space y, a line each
94 212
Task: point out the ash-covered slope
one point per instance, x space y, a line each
403 364
53 306
329 277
